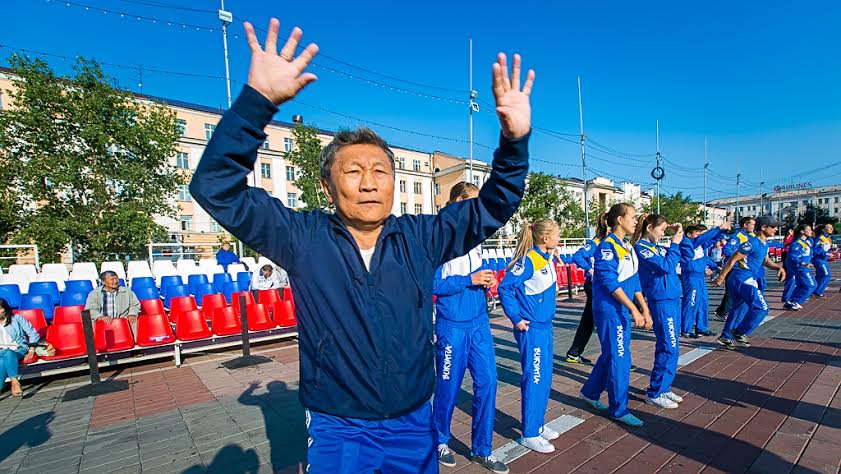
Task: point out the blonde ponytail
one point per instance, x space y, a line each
528 237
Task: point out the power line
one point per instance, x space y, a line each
167 5
124 14
609 149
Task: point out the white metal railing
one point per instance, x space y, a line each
177 251
17 257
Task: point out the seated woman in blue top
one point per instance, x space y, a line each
615 282
18 340
661 288
528 297
583 258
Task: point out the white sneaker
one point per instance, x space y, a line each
548 433
661 402
538 444
798 305
673 397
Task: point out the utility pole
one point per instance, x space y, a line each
738 181
227 18
474 107
706 167
583 162
659 166
761 207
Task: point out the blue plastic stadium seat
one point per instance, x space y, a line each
78 286
44 302
193 281
73 298
228 289
244 280
203 289
219 281
11 293
45 288
175 291
138 282
170 280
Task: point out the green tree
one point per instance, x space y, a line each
541 200
88 164
677 208
304 156
823 217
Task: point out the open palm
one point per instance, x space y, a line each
512 103
279 77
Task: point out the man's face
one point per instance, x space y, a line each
361 185
111 282
750 226
267 273
808 231
226 246
769 231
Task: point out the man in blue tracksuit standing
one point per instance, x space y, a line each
363 277
693 272
797 261
820 259
747 284
746 228
463 341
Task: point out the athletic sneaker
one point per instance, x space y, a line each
490 463
673 397
685 335
548 433
537 443
790 306
693 335
721 316
727 343
629 420
662 402
707 333
445 456
816 295
740 339
578 359
797 305
593 403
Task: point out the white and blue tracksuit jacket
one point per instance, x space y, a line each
693 264
528 292
583 257
746 285
800 284
820 259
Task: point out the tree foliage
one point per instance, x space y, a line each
84 163
304 156
823 217
677 208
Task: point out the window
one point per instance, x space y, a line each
836 210
476 181
418 188
401 163
437 208
208 130
215 227
290 173
184 192
805 202
437 189
416 165
402 208
402 186
836 199
182 161
418 208
288 143
182 127
187 223
291 200
266 170
265 144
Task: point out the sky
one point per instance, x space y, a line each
757 81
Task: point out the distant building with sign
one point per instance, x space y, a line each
784 199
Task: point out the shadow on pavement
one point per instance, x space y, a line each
33 431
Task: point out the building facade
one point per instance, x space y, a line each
783 200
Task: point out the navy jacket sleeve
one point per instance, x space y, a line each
582 257
219 184
449 285
463 225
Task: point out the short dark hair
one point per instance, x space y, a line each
360 136
266 267
106 274
745 220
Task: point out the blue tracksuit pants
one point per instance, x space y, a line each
790 283
804 285
613 368
749 307
536 353
822 276
460 346
695 304
666 317
348 445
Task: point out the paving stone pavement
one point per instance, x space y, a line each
774 407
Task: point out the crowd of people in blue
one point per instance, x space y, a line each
371 355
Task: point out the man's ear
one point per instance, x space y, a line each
325 186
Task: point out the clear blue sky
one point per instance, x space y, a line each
759 80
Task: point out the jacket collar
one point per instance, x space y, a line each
390 226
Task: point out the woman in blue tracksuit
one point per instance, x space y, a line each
615 282
799 287
583 258
463 341
693 273
661 288
820 259
528 297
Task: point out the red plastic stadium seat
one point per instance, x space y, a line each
152 307
68 315
268 298
258 318
500 274
563 278
581 276
284 314
225 322
180 304
153 330
191 325
113 337
249 300
68 340
210 303
287 293
36 319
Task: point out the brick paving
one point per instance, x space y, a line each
774 407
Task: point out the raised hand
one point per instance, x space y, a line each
279 77
512 103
